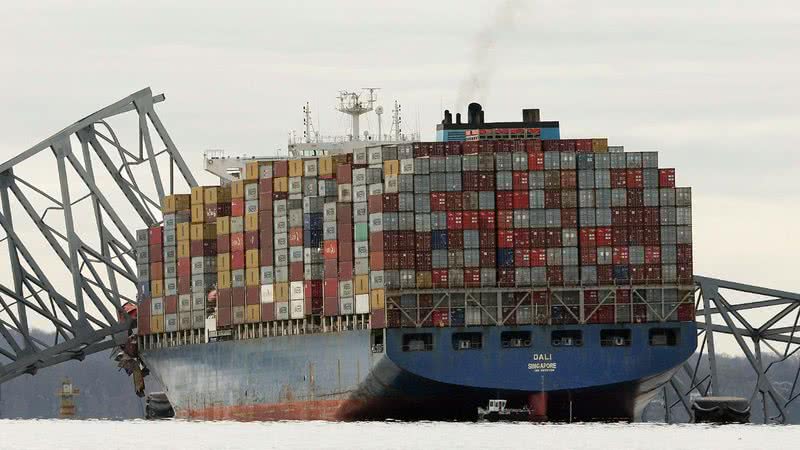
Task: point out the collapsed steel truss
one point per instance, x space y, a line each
99 193
762 322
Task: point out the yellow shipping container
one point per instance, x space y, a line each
600 145
280 184
157 288
198 213
223 225
183 202
361 284
223 280
212 195
252 314
281 292
184 249
251 222
295 167
202 231
168 204
391 167
325 166
251 170
237 189
183 231
223 262
252 276
157 324
197 195
376 299
251 259
424 280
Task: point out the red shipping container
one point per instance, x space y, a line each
223 317
224 298
550 145
472 277
265 185
295 236
266 255
505 219
330 268
569 179
635 235
539 297
505 238
406 260
184 285
203 248
344 234
344 212
296 271
280 168
237 242
330 249
619 217
376 260
652 236
252 295
438 149
487 220
553 238
502 146
441 317
536 161
635 198
488 258
685 273
237 296
184 267
224 243
267 312
566 145
237 207
569 217
583 145
519 181
423 260
521 199
620 235
375 203
345 270
588 237
638 273
504 200
251 240
533 145
423 242
391 203
155 236
407 240
156 271
143 317
486 181
487 147
619 255
344 174
452 148
455 240
156 253
506 277
170 304
470 219
552 198
522 257
605 274
634 178
652 272
651 216
590 297
455 201
684 253
619 178
487 238
330 287
555 275
538 257
454 220
604 236
588 255
635 216
623 296
686 312
538 237
522 238
438 201
652 254
391 260
666 179
330 305
439 278
469 148
345 250
471 181
264 202
391 241
376 241
237 260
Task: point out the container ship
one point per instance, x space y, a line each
420 280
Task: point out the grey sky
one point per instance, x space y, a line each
712 85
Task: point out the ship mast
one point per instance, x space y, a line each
350 103
396 121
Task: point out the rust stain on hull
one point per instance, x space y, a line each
329 410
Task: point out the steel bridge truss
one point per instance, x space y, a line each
73 200
763 324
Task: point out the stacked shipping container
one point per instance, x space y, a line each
569 222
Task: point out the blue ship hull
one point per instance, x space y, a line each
341 376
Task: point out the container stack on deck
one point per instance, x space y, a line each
574 231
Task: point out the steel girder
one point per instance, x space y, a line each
759 320
69 207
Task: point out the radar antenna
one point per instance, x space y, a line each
350 103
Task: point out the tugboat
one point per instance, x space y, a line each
497 412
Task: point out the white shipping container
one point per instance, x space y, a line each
346 288
297 309
376 189
406 166
282 311
184 302
198 320
391 184
359 176
374 155
346 306
310 167
345 193
157 306
185 321
359 193
295 185
171 322
267 293
198 301
362 303
296 290
238 314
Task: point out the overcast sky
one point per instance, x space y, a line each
713 85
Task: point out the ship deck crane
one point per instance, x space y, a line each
102 188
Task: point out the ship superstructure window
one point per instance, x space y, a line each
467 341
615 338
515 339
418 342
664 337
567 338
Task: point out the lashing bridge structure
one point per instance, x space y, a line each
69 206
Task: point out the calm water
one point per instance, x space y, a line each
141 435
